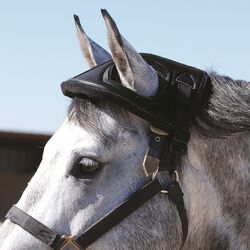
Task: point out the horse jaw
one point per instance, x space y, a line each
93 53
134 72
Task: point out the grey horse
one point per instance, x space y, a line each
111 143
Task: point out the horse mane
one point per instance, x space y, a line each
227 109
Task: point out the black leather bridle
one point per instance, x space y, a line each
181 89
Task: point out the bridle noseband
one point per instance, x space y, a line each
169 113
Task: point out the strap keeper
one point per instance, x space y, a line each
180 143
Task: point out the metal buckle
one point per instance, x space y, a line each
174 177
69 241
150 165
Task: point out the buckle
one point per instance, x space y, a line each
69 241
152 159
174 178
150 165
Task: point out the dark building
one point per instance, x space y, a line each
20 155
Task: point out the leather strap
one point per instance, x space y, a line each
175 194
119 213
33 226
45 234
166 150
55 241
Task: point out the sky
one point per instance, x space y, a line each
39 48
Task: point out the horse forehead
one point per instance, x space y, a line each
110 131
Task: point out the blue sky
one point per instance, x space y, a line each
39 48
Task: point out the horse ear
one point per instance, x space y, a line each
134 72
93 53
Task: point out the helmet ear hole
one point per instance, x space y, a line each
113 74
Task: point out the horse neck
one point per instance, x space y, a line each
216 179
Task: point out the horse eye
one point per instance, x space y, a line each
88 165
85 167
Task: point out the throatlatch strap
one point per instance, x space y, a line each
33 226
175 194
163 153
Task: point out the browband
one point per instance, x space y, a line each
179 85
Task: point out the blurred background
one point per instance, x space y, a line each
39 50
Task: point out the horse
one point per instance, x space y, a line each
94 162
